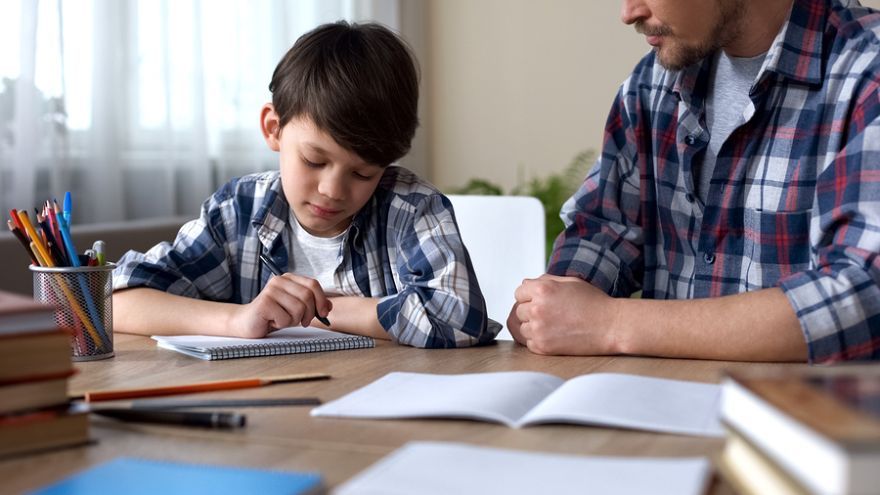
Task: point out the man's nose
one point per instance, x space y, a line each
634 10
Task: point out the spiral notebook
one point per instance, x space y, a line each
292 340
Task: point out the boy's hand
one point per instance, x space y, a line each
287 300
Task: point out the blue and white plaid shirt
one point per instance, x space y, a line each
403 247
794 200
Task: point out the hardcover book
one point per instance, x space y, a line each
820 427
20 313
42 430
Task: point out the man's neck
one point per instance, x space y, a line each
761 23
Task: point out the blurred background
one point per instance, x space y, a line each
142 108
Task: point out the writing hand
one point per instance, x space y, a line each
287 300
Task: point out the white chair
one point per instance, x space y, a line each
504 236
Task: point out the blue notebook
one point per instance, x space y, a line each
147 477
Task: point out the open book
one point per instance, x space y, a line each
522 398
292 340
430 468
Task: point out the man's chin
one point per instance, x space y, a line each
677 60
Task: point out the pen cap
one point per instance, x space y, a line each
83 300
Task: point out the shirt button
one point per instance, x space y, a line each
689 197
709 258
691 139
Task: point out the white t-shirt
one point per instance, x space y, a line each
315 257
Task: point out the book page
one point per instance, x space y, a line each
430 468
631 401
500 397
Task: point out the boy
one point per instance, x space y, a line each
371 248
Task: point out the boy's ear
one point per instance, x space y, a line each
270 124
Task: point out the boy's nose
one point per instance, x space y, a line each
332 187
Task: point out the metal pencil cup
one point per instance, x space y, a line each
83 298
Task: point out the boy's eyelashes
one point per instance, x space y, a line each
310 164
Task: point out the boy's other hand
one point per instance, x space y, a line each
287 300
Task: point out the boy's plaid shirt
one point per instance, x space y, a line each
794 200
403 247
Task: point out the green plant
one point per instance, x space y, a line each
552 190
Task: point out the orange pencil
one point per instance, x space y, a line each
35 239
134 393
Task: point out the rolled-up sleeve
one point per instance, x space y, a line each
838 301
195 264
439 303
602 241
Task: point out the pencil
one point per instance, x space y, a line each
51 241
14 214
41 249
71 298
133 393
267 261
23 240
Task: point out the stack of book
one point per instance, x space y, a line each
811 432
35 367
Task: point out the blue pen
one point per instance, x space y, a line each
68 242
68 206
83 285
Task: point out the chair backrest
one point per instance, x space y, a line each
504 236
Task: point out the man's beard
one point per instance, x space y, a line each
675 55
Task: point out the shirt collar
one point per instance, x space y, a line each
796 54
271 217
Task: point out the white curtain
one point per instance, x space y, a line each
142 108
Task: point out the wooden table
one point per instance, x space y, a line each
287 438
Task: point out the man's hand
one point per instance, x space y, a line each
563 315
287 300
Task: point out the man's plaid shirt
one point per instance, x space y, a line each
794 200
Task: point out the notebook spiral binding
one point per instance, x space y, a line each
314 345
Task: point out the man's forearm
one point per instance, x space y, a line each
151 312
753 326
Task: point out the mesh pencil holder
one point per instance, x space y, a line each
84 302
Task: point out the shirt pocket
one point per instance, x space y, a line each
776 245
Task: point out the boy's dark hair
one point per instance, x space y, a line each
357 82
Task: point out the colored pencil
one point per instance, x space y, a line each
133 393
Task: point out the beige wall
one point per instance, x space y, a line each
517 86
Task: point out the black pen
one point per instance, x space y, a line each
180 418
267 261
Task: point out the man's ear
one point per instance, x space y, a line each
270 124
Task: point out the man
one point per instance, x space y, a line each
738 188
